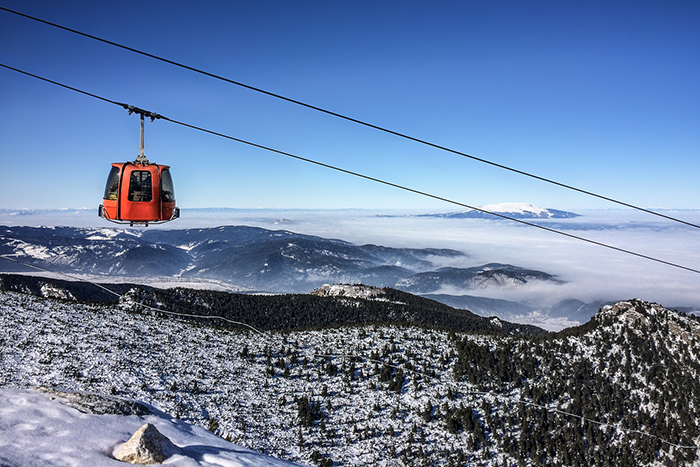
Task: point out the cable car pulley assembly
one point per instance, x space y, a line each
139 192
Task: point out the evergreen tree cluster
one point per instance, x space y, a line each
636 382
275 312
302 311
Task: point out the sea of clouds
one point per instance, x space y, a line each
589 272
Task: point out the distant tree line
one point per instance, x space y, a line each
281 312
302 311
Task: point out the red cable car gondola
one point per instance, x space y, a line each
139 192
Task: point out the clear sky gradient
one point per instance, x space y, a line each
603 95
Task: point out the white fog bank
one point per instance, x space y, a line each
589 272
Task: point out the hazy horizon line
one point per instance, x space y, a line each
223 208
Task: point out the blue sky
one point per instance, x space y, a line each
601 95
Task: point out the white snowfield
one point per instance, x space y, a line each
249 384
37 429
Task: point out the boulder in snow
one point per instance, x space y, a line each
147 446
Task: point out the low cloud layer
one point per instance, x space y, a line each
590 272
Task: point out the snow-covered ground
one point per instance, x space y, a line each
38 429
236 378
348 290
516 208
250 388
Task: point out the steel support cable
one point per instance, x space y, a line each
429 195
516 399
354 120
373 179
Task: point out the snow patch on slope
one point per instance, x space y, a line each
39 429
347 290
104 234
50 291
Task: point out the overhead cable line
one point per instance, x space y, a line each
367 177
354 120
429 195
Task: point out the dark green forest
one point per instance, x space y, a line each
278 312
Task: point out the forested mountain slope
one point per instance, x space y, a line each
620 390
273 312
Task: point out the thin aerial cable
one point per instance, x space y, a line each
373 179
354 120
429 195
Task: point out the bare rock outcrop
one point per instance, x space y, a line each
97 404
347 290
147 446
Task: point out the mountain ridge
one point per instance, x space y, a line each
513 210
620 390
292 311
250 257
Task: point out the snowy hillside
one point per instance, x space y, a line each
480 277
291 311
521 208
621 390
39 428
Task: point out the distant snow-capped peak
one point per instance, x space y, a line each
516 210
520 208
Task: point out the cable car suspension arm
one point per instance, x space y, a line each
141 158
